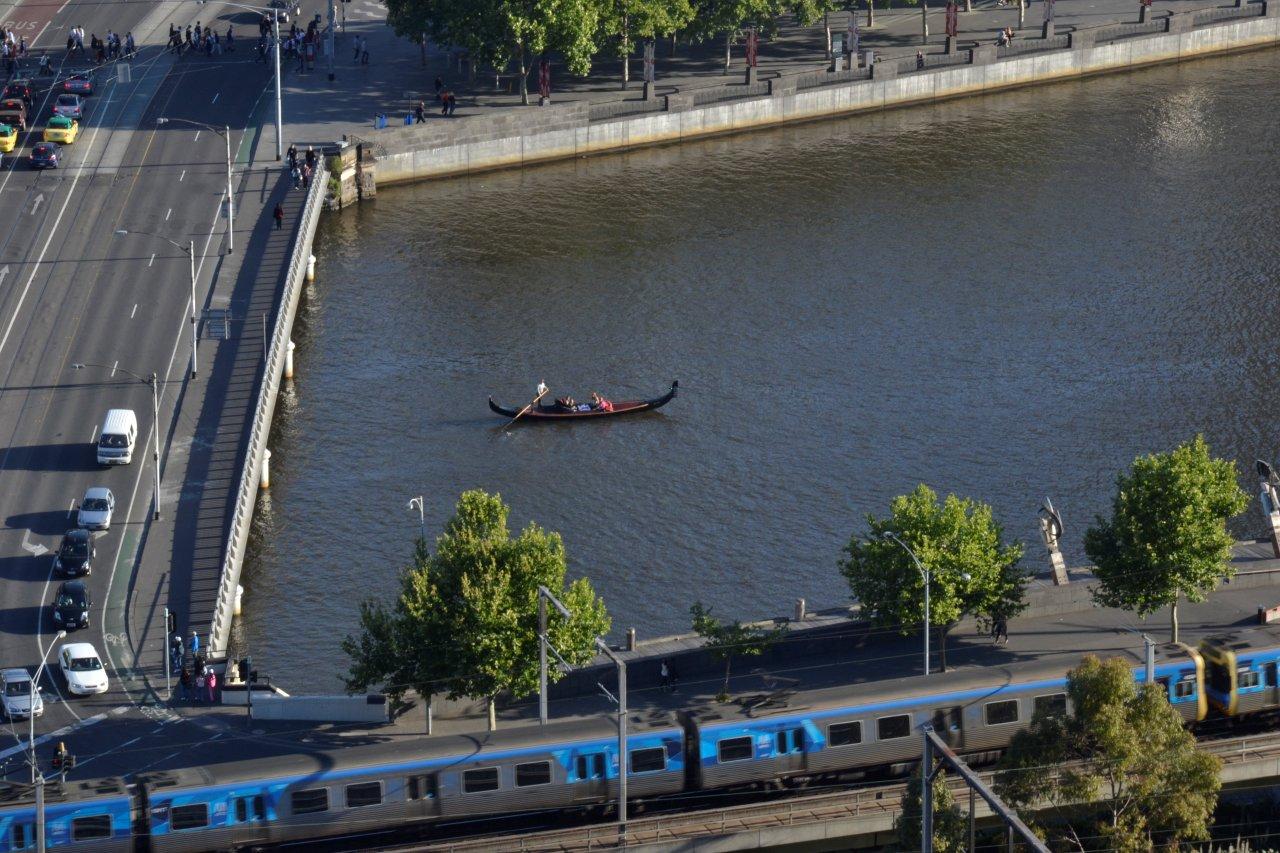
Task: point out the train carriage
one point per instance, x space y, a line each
1240 670
95 816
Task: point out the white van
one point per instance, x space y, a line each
119 434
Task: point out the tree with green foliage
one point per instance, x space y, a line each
972 570
725 640
628 22
950 825
1126 775
1167 537
466 620
713 18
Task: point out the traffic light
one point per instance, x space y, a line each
60 758
173 623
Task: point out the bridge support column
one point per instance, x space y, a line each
265 482
288 361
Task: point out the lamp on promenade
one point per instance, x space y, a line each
416 503
225 133
924 575
190 251
275 38
155 414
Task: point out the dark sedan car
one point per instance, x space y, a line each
78 84
21 90
71 606
45 155
75 554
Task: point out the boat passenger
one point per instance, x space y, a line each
567 404
600 403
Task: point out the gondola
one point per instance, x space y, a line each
553 412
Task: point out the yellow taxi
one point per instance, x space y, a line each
61 129
8 138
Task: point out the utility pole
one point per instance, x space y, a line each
332 15
40 813
275 26
155 415
231 202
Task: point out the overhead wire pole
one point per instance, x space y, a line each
936 747
275 29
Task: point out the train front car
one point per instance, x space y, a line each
1240 670
1180 672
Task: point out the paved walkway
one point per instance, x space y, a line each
401 72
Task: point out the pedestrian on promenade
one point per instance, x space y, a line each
453 103
665 674
199 686
292 155
364 51
439 86
175 652
919 60
184 683
278 214
296 174
311 157
420 113
355 44
195 641
199 662
230 40
306 177
211 684
444 102
1000 630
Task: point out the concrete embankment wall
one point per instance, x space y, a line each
540 134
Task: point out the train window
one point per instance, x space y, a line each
999 713
1184 688
364 794
888 728
734 749
844 734
92 826
421 787
1052 705
1247 678
648 760
1164 685
480 780
192 816
533 773
1219 677
21 836
309 801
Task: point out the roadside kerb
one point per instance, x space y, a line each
247 494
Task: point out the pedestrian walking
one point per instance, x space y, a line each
665 674
200 661
175 652
194 644
444 102
364 51
439 86
420 113
211 684
453 103
296 174
311 157
200 687
1000 630
184 683
306 177
292 155
278 214
919 59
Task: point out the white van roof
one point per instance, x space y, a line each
119 422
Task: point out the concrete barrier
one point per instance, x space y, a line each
321 709
537 134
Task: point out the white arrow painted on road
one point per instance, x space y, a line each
3 272
36 206
36 549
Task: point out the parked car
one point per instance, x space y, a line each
8 138
44 155
75 555
61 129
22 699
78 84
96 509
71 106
71 606
82 668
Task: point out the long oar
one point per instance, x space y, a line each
541 394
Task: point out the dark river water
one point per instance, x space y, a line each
1005 297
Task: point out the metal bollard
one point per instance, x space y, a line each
265 482
798 615
631 639
311 267
288 361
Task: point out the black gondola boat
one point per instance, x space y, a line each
556 412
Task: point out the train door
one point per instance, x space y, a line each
250 816
788 746
589 770
949 725
1273 688
22 836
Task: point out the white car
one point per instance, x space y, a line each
20 695
82 668
96 508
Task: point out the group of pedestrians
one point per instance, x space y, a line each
200 39
197 680
12 51
107 49
301 170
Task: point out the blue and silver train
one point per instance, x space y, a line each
837 732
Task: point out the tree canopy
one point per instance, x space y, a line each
465 622
972 569
727 639
949 822
1127 776
1167 536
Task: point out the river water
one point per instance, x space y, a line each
1006 297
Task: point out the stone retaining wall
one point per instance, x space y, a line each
538 134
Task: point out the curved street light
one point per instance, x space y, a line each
155 414
190 251
225 133
275 38
924 574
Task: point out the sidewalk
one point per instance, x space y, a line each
397 77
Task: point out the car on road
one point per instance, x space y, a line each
8 138
44 155
71 606
21 697
78 84
20 89
61 129
96 509
71 106
82 668
13 111
75 555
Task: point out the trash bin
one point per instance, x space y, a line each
408 119
380 121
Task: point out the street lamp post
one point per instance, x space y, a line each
225 133
416 503
155 416
924 574
190 250
275 27
35 685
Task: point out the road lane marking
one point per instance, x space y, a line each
183 175
114 367
34 548
36 206
59 733
215 98
134 311
71 508
93 435
197 139
152 261
167 215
